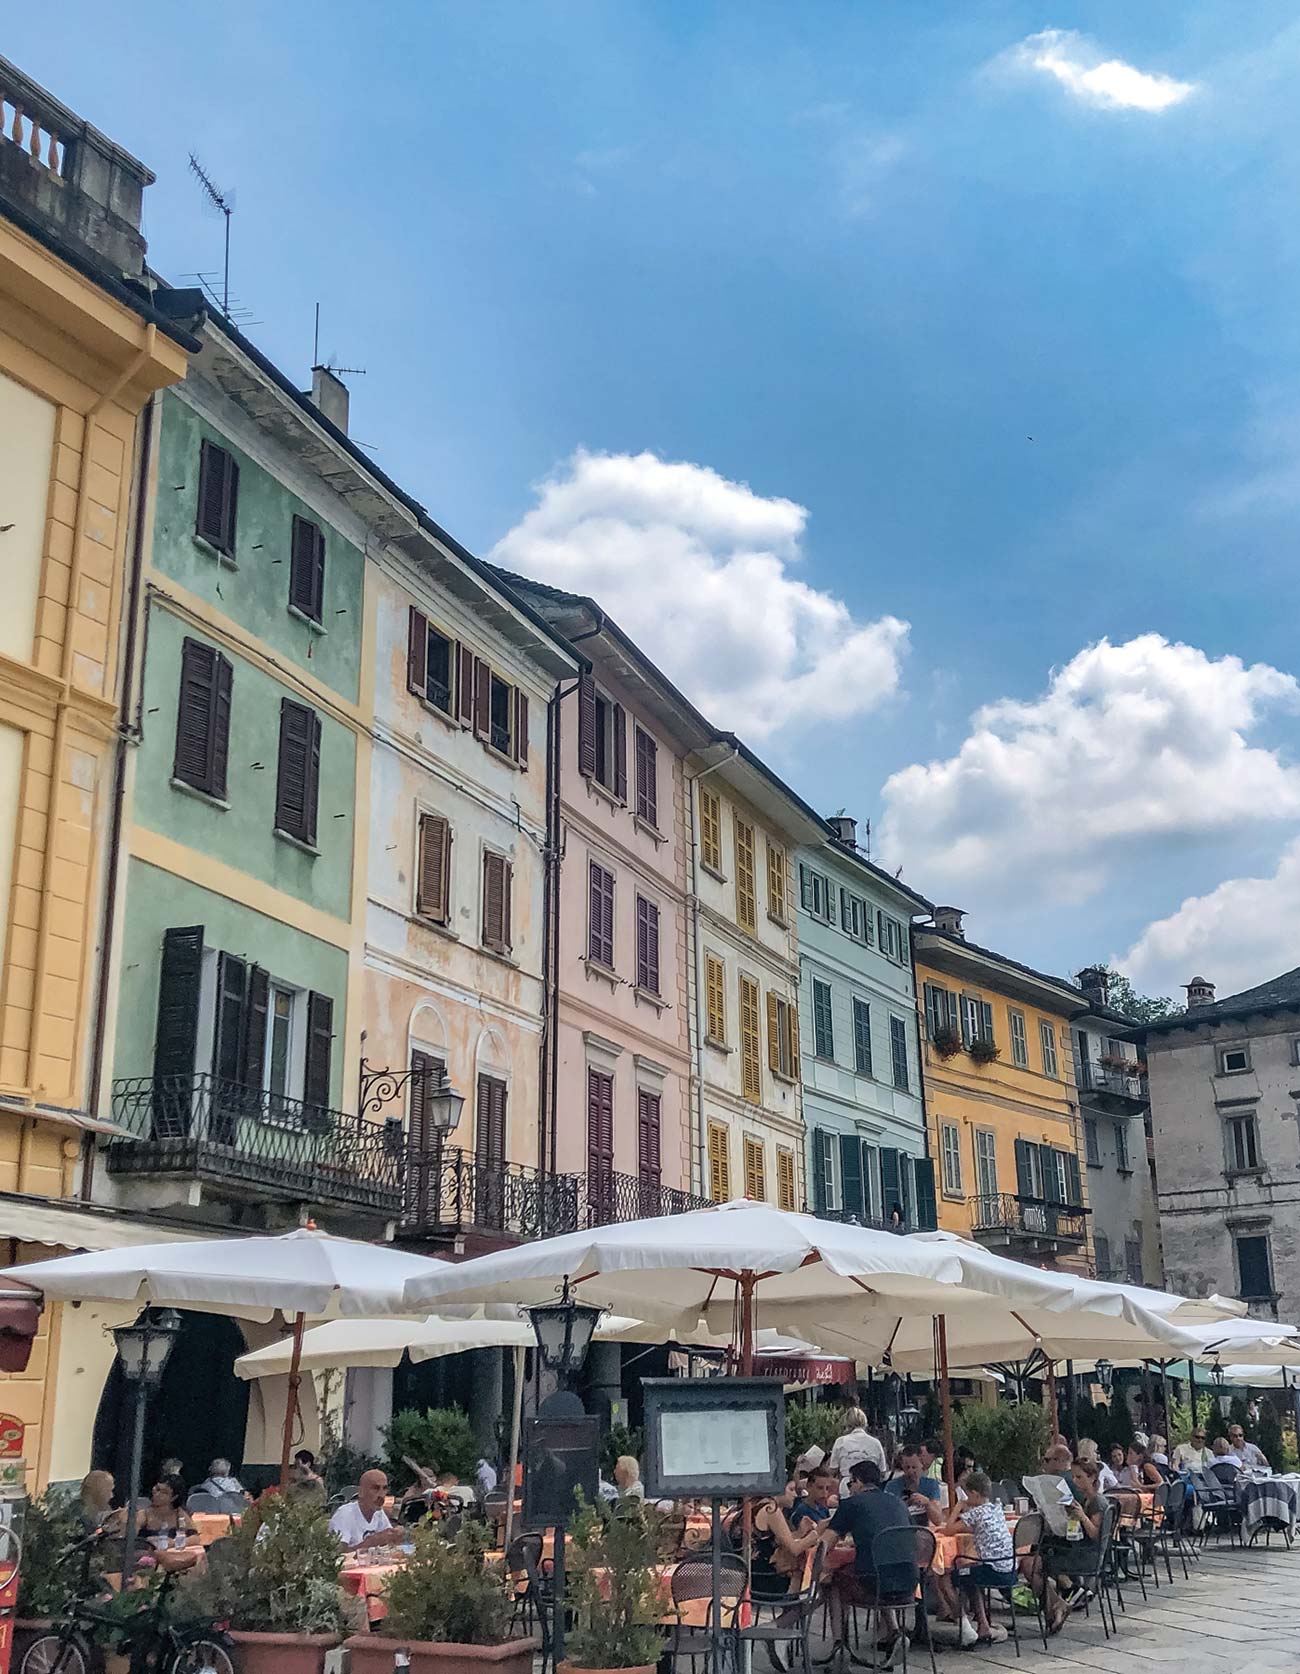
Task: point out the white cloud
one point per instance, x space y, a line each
1107 83
697 569
1240 934
1131 745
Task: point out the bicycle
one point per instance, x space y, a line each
157 1644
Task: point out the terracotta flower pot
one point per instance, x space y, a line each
282 1653
374 1653
573 1668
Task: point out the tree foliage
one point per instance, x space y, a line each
1142 1008
440 1438
1007 1440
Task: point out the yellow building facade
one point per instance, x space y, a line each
78 362
1002 1109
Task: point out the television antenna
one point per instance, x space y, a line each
221 201
319 365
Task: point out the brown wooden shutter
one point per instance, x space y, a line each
773 1033
507 880
647 945
521 727
218 498
320 1041
256 1012
785 1180
618 727
297 787
647 772
600 914
586 726
203 719
600 1143
434 868
792 1024
648 1107
497 876
715 999
751 1070
490 1122
719 1164
466 685
417 653
423 1175
306 567
482 699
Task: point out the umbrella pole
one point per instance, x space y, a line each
1164 1393
747 1324
1191 1392
291 1401
1051 1398
945 1404
515 1418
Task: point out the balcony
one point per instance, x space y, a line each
243 1142
1113 1089
452 1194
1022 1226
848 1218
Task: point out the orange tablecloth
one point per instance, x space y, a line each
367 1581
213 1525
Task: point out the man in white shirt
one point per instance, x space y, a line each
852 1446
1193 1455
362 1524
1252 1457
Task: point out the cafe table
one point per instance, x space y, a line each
1268 1502
213 1525
368 1582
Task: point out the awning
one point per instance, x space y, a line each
61 1116
809 1369
30 1221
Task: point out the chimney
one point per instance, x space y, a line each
845 829
1095 982
86 193
330 394
949 919
1199 993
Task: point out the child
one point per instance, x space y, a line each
982 1517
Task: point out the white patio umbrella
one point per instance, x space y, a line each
382 1342
302 1274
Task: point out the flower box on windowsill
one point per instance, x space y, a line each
946 1042
984 1051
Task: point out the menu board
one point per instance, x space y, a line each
714 1437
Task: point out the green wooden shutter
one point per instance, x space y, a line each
851 1176
1024 1176
891 1182
927 1210
819 1171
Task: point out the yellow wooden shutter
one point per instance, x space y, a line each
776 880
715 1002
792 1025
710 828
746 903
785 1192
751 1066
719 1165
755 1173
773 1033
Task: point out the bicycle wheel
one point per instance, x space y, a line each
203 1656
58 1653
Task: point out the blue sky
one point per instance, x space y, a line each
990 306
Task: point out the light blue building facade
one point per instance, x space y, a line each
860 1058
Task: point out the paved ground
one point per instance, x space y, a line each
1239 1612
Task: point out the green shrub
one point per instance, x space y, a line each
279 1572
343 1467
805 1426
613 1590
617 1441
1006 1440
46 1582
446 1594
440 1438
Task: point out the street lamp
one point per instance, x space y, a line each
142 1350
1105 1376
564 1329
1216 1372
442 1106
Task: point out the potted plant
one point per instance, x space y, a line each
48 1578
946 1042
447 1614
277 1583
613 1592
983 1050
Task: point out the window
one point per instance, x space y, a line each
940 1011
218 498
1101 1254
307 568
861 1037
776 881
1046 1175
600 1142
1254 1269
746 887
297 777
823 1021
1233 1060
497 875
1047 1046
950 1150
826 1180
1243 1142
279 1044
647 778
785 1180
715 999
816 895
782 1036
1057 1178
600 915
719 1164
1133 1260
898 1052
710 829
1123 1161
892 938
751 1068
1091 1142
431 665
500 716
203 719
422 1173
490 1146
648 1109
1019 1045
647 945
855 917
755 1173
976 1019
602 739
433 868
986 1162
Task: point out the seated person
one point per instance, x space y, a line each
1193 1455
863 1514
97 1504
1252 1458
983 1518
220 1481
776 1552
1139 1470
813 1505
920 1493
306 1482
362 1524
627 1478
485 1478
1225 1464
450 1485
1055 1581
932 1458
165 1524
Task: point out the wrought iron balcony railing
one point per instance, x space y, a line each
450 1190
849 1217
207 1128
1103 1078
1004 1216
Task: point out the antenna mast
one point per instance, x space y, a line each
221 201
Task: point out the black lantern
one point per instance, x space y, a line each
564 1329
142 1350
1105 1376
1216 1372
443 1105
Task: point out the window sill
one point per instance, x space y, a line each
297 842
503 956
1245 1173
649 829
227 559
602 972
315 626
648 997
1097 1164
718 1045
718 877
782 1076
436 926
1227 1075
186 789
438 712
1126 1172
952 1197
500 755
596 788
779 920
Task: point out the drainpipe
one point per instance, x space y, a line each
697 1043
